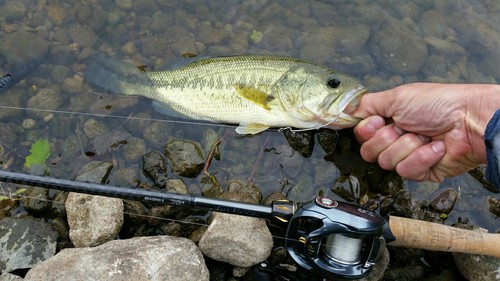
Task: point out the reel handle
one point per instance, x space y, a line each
411 233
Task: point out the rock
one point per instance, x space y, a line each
46 99
141 258
302 142
83 36
328 140
72 85
23 52
25 242
13 10
153 165
432 23
237 240
444 200
134 149
406 205
93 220
157 133
399 50
94 127
186 157
36 201
10 277
247 192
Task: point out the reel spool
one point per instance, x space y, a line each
335 239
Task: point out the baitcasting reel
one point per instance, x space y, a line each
335 239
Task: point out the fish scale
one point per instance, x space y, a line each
254 92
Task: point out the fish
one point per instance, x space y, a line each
251 91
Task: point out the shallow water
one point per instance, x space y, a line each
382 43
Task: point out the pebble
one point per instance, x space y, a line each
72 85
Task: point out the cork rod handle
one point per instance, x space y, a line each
412 233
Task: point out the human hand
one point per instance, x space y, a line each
426 131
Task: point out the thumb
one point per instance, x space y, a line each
376 104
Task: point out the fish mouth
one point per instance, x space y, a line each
349 104
353 98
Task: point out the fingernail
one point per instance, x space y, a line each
375 123
438 147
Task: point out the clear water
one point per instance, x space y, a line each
382 43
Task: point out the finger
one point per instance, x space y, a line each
367 128
376 104
417 165
383 138
400 150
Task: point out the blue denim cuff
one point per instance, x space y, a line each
492 142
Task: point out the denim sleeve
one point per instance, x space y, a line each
492 142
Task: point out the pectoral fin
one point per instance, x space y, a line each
251 129
254 95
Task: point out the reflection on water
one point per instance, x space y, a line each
380 43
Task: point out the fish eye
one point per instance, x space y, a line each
333 82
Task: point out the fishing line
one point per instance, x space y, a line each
112 116
14 196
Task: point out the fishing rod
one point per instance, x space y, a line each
326 238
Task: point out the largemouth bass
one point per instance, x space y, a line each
254 92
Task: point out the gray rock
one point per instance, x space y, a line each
134 149
93 220
141 258
444 200
13 9
399 50
25 242
237 240
47 99
23 47
94 127
186 157
36 201
10 277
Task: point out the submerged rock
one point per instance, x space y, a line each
141 258
25 242
400 50
186 157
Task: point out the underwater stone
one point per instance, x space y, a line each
186 157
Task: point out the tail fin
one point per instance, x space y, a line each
116 76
